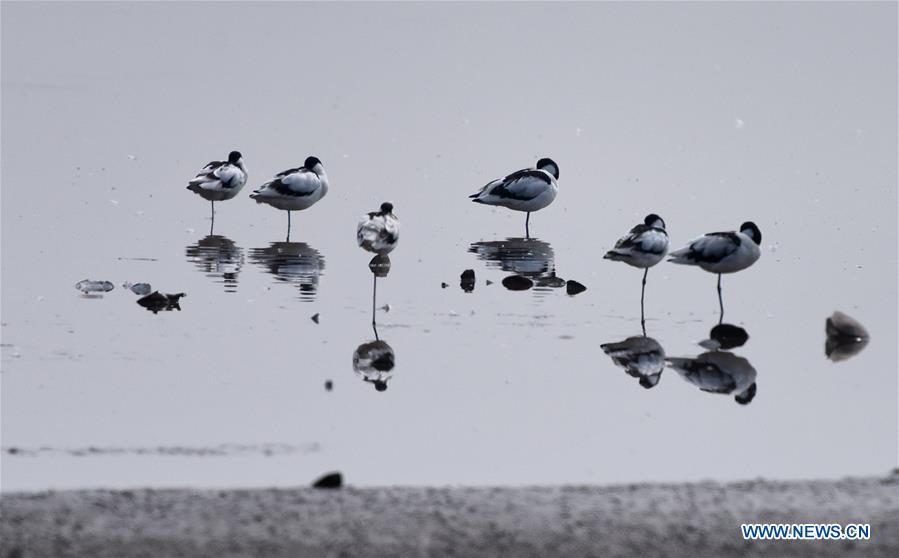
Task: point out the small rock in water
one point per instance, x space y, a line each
467 280
488 282
329 385
517 283
331 480
573 287
315 318
444 285
386 308
156 302
90 286
138 288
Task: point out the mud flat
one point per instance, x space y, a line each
701 519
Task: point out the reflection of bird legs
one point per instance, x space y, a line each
212 223
642 294
720 301
374 295
527 226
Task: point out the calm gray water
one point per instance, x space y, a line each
707 114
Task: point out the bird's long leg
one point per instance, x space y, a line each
720 301
374 295
212 222
642 294
288 226
527 226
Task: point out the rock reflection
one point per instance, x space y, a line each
641 357
292 262
726 337
219 258
158 302
373 361
846 337
531 260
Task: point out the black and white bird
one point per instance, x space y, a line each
379 231
525 190
643 247
220 180
722 252
718 372
294 189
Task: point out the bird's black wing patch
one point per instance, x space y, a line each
284 190
721 245
502 190
291 171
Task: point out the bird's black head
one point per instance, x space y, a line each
380 385
311 162
653 220
234 157
746 397
548 165
386 208
749 229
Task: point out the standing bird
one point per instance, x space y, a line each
379 231
643 247
525 190
722 252
294 189
220 180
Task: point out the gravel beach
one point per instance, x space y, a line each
700 519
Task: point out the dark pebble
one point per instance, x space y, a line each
517 283
331 480
573 288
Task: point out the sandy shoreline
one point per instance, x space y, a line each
700 519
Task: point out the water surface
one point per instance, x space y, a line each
707 114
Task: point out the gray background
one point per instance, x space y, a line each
708 114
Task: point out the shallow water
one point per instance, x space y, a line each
108 110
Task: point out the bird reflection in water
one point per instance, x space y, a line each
718 370
219 258
531 260
641 357
292 262
374 360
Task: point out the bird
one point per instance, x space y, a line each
643 247
524 190
220 180
718 372
722 252
379 231
294 189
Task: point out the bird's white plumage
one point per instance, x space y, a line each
644 246
294 189
724 252
524 190
378 232
219 180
